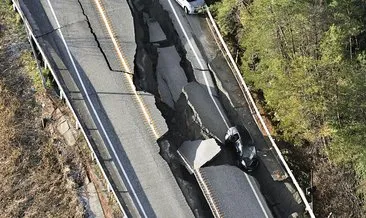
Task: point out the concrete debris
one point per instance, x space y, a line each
57 114
197 153
164 92
171 72
203 106
69 138
96 210
63 126
171 77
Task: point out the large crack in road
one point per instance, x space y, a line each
193 108
96 39
162 69
189 109
99 44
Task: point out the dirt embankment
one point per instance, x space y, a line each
38 175
45 165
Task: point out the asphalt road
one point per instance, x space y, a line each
213 116
99 85
236 193
105 101
201 47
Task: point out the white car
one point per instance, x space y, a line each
192 6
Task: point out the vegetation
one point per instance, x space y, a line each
308 58
37 178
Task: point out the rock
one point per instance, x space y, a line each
57 114
197 153
69 138
63 127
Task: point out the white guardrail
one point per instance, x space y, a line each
257 114
63 95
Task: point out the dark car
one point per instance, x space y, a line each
244 146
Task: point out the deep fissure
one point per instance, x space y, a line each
145 79
97 41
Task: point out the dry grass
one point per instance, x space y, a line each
36 178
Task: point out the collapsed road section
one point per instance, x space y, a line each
189 100
96 49
196 104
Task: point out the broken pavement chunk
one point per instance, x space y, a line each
196 153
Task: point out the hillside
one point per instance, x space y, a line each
46 166
305 62
35 177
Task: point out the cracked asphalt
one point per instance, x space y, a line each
134 145
147 175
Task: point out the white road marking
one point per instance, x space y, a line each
256 196
209 90
95 112
199 62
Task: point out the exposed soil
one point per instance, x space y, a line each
38 175
41 174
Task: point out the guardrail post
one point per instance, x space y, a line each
93 156
77 124
61 94
109 187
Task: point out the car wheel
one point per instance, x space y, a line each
186 10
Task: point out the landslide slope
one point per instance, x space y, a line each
35 177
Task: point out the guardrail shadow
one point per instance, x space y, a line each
52 41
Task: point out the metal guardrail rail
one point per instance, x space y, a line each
256 115
63 95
